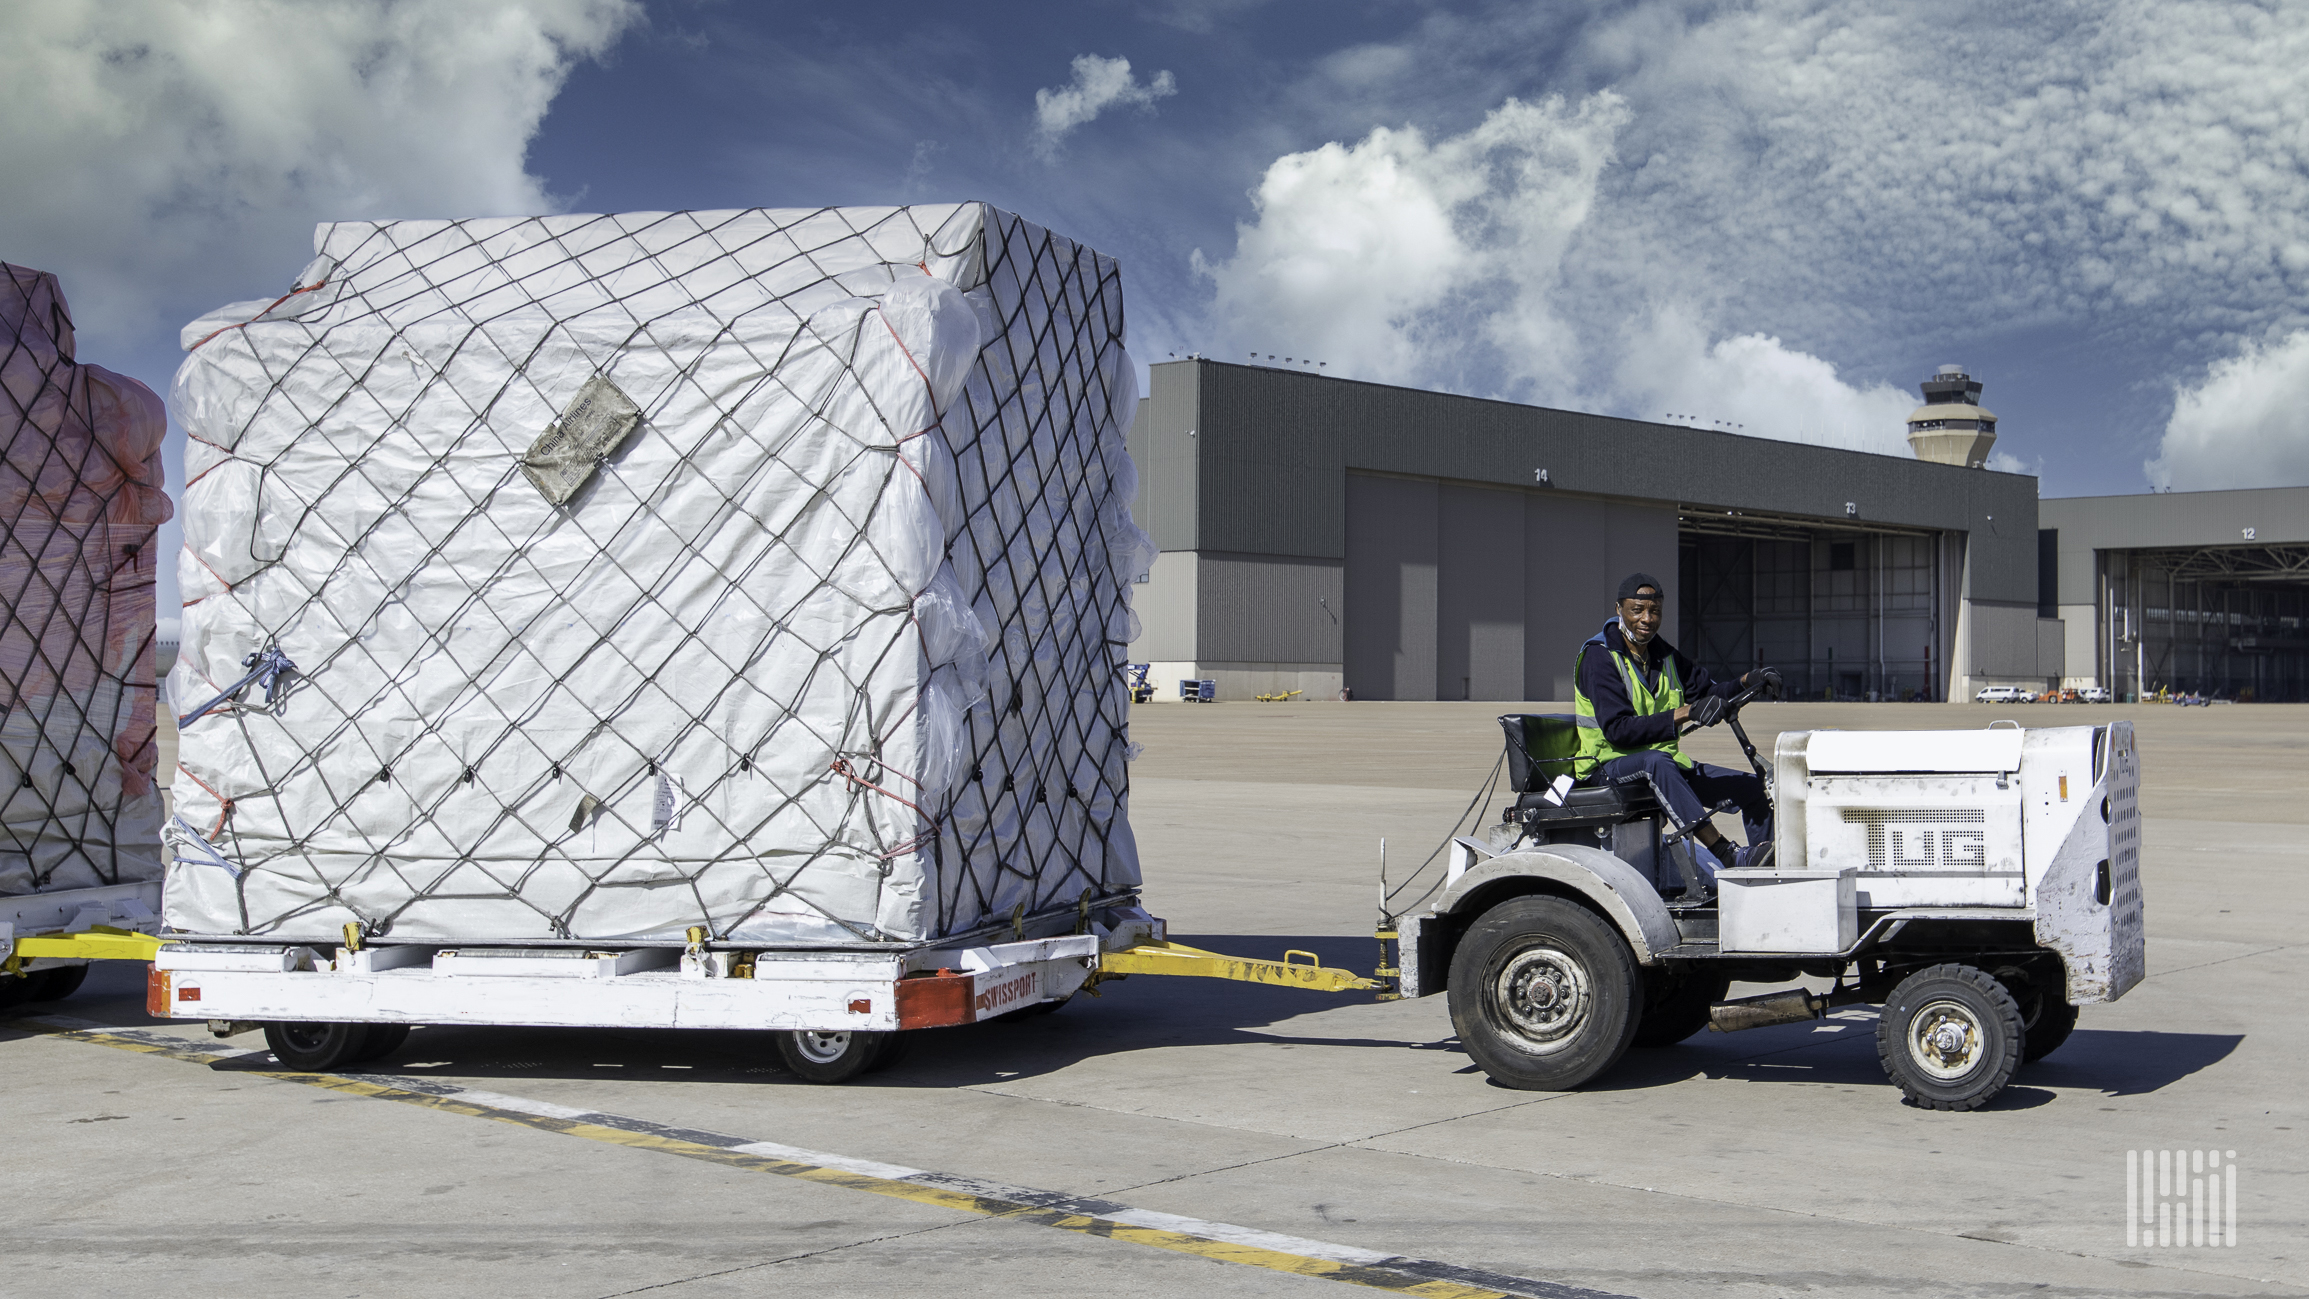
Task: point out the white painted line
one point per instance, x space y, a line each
797 1155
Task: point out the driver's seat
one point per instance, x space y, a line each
1542 752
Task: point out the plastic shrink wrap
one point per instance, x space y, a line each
603 576
80 499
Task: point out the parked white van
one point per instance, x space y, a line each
2001 695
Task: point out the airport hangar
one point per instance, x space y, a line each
2203 592
1317 533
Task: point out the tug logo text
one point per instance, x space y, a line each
1908 848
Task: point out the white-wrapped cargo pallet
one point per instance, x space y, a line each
80 501
605 576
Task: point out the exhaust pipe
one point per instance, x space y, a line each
1791 1007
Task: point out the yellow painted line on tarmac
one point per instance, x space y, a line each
1219 1242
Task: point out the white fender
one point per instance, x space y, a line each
1614 887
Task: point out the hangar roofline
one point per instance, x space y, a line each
1512 404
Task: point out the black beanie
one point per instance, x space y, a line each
1637 582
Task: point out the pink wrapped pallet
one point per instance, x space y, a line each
80 499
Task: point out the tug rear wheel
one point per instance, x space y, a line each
1544 994
2046 1017
836 1057
1676 1004
2054 1021
310 1047
1950 1037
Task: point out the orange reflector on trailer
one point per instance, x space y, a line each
156 996
937 1000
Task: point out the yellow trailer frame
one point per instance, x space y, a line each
100 943
1194 962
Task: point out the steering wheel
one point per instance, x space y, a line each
1733 703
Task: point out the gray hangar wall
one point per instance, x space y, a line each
1456 591
1316 533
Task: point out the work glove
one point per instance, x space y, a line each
1707 710
1766 682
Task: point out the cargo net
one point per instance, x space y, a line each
593 577
80 499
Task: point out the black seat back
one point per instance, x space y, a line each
1540 747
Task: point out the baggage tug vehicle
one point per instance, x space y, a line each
1979 886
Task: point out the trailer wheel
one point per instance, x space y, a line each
1035 1011
1950 1037
1544 994
315 1047
58 983
381 1040
1676 1005
832 1057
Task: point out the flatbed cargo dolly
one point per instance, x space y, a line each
838 1012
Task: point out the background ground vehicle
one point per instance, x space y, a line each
2001 695
1979 885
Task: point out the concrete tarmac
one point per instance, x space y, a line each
1773 1162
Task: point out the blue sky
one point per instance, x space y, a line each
1778 214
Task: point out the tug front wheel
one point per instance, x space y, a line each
1544 994
1950 1037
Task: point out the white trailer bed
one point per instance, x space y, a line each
606 985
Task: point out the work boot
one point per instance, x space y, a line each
1700 875
1754 857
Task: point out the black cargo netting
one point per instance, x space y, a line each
722 684
80 502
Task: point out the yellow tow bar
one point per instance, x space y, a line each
101 943
1177 958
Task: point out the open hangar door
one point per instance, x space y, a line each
1843 611
2221 621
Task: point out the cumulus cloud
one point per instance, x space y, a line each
1850 167
1380 256
1099 84
1444 262
1756 385
2245 424
1866 182
165 157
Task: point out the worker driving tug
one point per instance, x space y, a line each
1634 692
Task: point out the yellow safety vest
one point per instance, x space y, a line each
1594 747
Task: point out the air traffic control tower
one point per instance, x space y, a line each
1950 428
